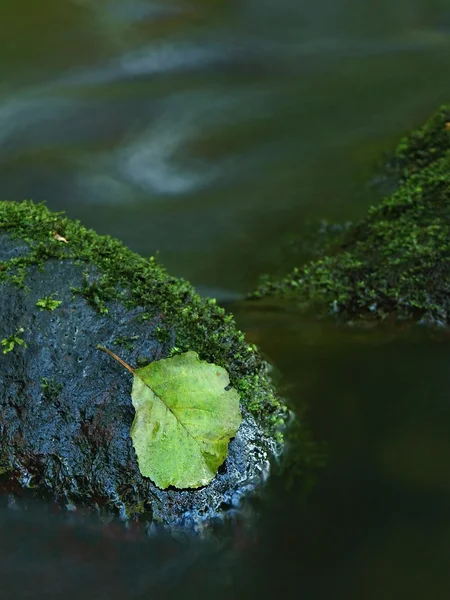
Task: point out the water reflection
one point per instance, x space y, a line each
377 521
46 555
130 13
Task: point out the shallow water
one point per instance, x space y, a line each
213 132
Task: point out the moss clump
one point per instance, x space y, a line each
48 303
50 389
395 262
127 342
9 343
423 146
115 273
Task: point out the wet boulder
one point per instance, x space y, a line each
395 263
65 407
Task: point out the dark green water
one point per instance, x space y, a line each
213 131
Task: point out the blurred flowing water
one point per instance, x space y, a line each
213 131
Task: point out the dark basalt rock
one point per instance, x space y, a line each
65 407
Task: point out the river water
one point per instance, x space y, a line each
214 132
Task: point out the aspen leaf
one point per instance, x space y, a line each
184 419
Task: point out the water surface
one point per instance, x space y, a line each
213 132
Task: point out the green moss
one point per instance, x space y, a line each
14 271
176 350
423 146
8 344
113 272
48 303
396 261
97 292
162 334
126 342
50 389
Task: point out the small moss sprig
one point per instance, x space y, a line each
48 303
9 343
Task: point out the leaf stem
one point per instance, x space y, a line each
119 360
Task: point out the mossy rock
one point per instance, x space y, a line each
423 146
65 407
396 262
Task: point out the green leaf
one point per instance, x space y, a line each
184 419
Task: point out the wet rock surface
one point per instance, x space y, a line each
65 407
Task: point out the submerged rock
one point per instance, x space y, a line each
396 262
65 407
